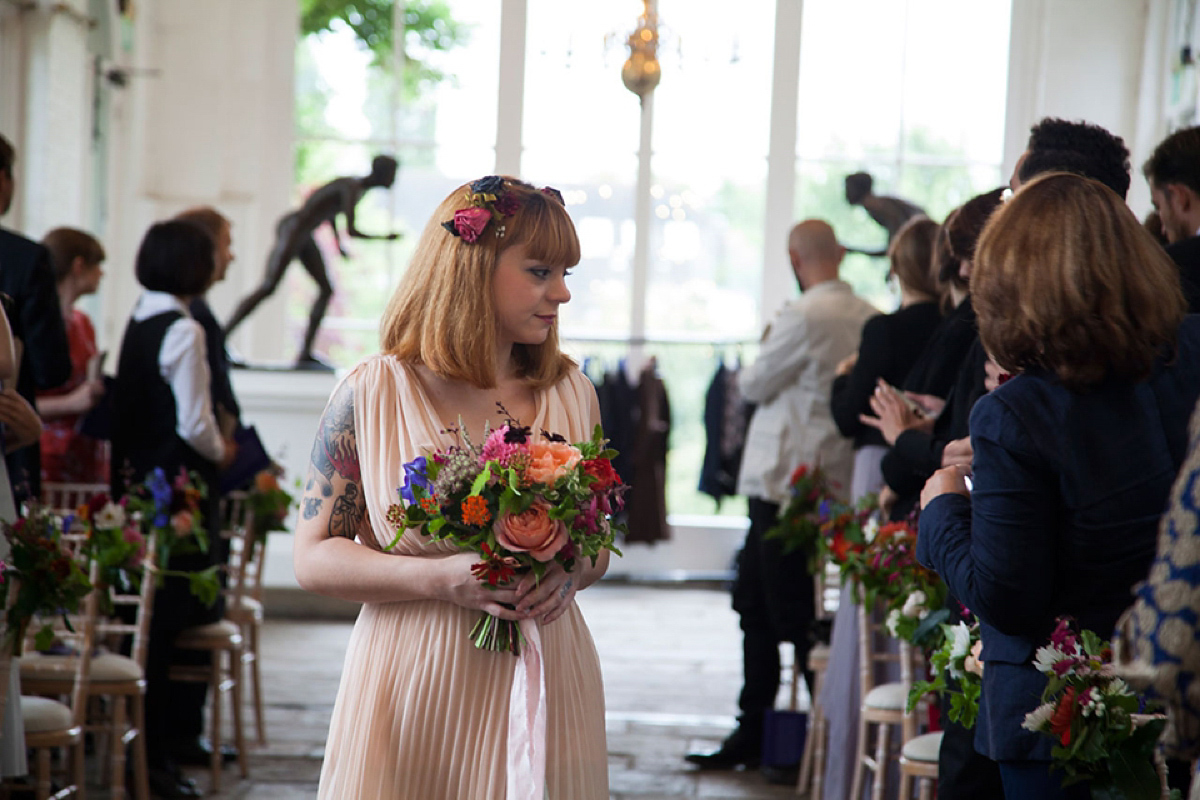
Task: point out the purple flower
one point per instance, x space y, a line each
508 204
415 474
492 184
1063 638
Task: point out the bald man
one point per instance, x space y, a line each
790 382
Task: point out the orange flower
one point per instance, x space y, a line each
266 481
475 511
1060 720
532 531
549 461
429 504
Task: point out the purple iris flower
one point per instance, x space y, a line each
415 474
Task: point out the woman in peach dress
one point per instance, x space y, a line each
422 714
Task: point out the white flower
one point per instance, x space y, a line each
893 622
1037 719
1045 658
914 606
960 648
111 516
871 529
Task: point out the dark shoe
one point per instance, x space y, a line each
166 781
736 751
781 776
198 753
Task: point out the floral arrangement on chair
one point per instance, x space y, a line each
956 658
269 502
1093 716
117 531
50 581
519 502
799 525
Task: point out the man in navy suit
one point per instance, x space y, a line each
1173 172
26 276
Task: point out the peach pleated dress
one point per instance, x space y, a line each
421 714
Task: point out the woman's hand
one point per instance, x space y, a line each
958 453
893 414
947 480
547 599
22 424
930 404
461 587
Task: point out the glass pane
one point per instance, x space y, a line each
349 108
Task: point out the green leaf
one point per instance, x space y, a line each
44 638
481 480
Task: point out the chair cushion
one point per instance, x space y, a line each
42 714
215 635
888 696
923 748
106 668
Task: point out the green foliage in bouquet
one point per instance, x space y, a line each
799 524
50 582
269 502
1094 718
956 672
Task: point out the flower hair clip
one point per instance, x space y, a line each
489 199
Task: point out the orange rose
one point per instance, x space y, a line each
266 481
181 521
532 531
549 461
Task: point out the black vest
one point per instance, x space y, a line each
145 414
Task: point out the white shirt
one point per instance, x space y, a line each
183 364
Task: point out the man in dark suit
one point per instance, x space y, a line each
1173 172
26 275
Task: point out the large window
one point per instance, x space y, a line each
912 91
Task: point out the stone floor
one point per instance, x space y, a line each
672 669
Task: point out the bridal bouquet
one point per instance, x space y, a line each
1094 718
518 501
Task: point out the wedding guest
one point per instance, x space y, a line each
1073 457
37 325
220 230
1173 172
789 381
163 418
68 455
422 712
891 344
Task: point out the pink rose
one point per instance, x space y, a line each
470 222
549 461
532 531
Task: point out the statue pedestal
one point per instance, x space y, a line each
285 406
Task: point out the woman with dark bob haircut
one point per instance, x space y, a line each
1074 457
163 417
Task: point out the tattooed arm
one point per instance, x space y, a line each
333 512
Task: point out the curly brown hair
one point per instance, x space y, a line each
1067 280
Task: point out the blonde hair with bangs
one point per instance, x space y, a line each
442 314
1066 279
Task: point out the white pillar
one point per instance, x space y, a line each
777 279
510 106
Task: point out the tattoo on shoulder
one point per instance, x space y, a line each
349 512
335 451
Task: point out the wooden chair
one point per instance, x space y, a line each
224 643
812 763
919 762
882 707
249 613
117 689
51 724
64 498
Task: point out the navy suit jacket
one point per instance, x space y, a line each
1063 520
26 276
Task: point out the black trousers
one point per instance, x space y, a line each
773 595
964 773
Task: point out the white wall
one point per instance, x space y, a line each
1103 61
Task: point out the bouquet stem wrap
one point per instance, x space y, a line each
527 720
